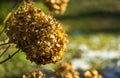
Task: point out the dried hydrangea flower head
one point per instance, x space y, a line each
38 35
92 74
59 6
35 74
66 71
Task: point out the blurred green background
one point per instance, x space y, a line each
93 28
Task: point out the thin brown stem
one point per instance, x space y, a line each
4 44
5 20
5 51
7 17
10 14
3 30
9 57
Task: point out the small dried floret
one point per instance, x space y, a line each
66 71
59 6
38 35
92 74
35 74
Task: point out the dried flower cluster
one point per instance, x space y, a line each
59 6
66 71
92 74
38 35
35 74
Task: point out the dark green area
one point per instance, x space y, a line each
92 15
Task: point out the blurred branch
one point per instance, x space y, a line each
3 29
9 56
5 20
8 17
4 44
4 51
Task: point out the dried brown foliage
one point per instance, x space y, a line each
35 74
92 74
38 35
66 71
59 6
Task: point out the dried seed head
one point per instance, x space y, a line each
59 6
38 35
66 71
35 74
92 74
